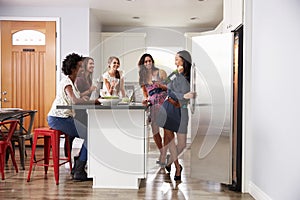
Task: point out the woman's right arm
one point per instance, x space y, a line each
145 94
109 87
75 100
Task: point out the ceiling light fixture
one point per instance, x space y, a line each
135 17
194 18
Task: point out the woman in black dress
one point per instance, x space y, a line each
173 116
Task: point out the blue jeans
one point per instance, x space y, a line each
71 127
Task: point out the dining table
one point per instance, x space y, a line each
22 132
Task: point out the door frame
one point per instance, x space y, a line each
57 50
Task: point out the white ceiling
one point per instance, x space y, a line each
154 13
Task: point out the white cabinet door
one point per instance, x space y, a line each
128 47
233 14
211 157
111 47
134 47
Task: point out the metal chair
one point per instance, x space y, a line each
22 133
5 143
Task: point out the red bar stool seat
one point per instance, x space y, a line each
51 139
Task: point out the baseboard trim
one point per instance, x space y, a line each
257 193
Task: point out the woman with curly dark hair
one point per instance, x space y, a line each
63 119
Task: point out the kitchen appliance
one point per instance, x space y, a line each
211 119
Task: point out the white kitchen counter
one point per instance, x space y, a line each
117 146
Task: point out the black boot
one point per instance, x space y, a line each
80 173
74 166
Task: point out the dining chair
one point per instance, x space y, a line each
5 143
22 133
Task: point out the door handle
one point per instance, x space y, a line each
5 100
4 93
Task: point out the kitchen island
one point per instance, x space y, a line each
117 144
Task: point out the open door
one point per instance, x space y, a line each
211 119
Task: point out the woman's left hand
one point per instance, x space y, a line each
189 95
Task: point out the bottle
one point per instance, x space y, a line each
171 77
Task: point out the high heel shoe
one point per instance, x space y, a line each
168 168
178 178
162 164
168 165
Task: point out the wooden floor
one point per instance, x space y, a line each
158 185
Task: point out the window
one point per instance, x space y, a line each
28 37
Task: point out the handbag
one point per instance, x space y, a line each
169 116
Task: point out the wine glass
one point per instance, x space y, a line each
103 92
129 93
114 82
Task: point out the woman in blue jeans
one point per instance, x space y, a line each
63 119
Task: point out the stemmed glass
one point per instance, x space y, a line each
115 82
129 93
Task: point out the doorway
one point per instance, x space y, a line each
28 70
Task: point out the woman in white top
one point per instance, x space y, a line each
63 119
113 79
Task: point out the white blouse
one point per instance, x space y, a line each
63 99
110 79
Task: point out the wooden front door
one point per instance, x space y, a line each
28 72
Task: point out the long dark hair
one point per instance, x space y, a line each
110 59
187 62
85 63
143 69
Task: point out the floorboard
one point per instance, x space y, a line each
157 185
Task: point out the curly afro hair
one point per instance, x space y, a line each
70 62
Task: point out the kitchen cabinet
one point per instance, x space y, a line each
232 14
128 47
117 146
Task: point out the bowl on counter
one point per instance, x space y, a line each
109 100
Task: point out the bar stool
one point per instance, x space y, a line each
51 139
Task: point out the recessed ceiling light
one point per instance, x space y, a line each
135 17
130 0
194 18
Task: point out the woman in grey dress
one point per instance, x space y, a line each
173 116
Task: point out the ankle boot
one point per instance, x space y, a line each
80 173
74 166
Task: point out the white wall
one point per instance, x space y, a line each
95 43
74 35
273 141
